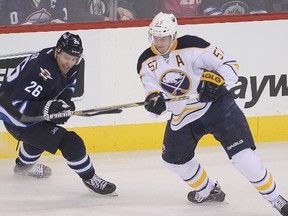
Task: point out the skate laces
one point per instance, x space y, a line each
37 170
98 182
215 195
212 193
198 198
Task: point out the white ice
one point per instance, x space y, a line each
144 185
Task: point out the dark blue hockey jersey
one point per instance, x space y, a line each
35 11
36 80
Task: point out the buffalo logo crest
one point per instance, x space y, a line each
176 82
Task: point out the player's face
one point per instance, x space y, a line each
162 44
65 62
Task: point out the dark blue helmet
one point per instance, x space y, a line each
71 44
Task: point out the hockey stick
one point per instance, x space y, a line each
89 112
14 55
8 109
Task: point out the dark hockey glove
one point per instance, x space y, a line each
72 108
72 105
210 86
56 106
155 103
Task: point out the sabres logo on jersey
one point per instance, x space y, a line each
176 82
45 74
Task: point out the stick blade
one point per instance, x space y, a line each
94 113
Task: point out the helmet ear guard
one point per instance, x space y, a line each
79 60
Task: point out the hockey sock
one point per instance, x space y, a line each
194 175
29 155
249 165
83 167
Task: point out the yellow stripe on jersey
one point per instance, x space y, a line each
237 66
150 93
185 111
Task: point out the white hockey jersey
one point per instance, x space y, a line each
179 74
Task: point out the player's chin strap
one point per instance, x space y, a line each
7 105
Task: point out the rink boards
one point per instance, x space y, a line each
111 78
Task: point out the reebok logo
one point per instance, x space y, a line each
54 130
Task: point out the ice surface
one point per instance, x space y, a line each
144 185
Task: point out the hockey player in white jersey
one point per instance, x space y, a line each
189 65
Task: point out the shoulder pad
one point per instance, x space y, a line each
143 57
189 41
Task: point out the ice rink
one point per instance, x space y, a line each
144 185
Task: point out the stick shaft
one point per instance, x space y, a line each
4 101
14 55
105 109
130 105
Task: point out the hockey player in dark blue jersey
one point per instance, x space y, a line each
43 84
35 12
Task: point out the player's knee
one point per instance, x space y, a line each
72 147
185 170
249 164
177 158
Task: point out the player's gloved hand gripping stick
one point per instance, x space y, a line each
57 106
155 103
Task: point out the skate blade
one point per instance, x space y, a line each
114 194
210 203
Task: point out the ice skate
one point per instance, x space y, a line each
281 205
99 185
35 170
216 195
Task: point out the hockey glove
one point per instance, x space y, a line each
72 106
56 106
210 86
155 103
